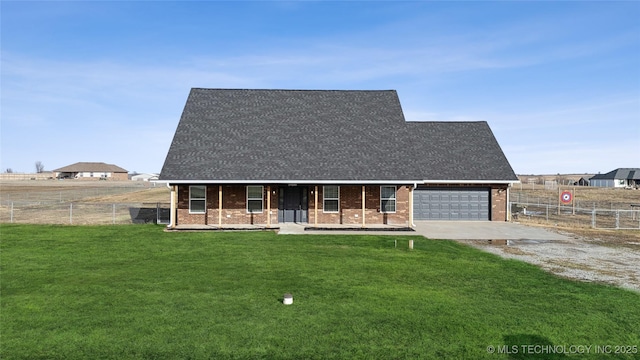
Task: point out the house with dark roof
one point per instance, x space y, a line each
91 171
621 177
318 157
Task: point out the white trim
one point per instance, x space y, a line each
204 211
395 200
469 182
333 199
254 199
340 182
297 182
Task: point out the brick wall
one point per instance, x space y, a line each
499 203
234 209
350 211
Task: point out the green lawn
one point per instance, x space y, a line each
134 291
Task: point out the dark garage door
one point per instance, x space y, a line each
451 204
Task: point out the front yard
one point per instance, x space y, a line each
134 291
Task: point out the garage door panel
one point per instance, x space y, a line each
451 204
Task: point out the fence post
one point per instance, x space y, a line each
593 218
617 219
113 214
12 212
70 213
547 212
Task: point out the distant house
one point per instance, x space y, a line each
582 182
622 177
92 171
328 157
145 177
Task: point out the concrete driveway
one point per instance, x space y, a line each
483 230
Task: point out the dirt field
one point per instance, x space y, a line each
82 202
78 190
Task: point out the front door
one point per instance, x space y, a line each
293 204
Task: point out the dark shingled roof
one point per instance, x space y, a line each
620 173
328 135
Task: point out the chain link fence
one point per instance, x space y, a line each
83 213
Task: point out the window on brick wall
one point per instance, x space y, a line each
388 199
330 198
254 199
197 199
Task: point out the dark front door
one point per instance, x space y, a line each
293 204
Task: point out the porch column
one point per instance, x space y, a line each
206 206
363 205
315 207
508 214
268 206
219 205
410 205
172 215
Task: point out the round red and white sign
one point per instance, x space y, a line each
566 197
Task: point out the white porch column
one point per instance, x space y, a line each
268 206
315 207
172 215
411 205
363 205
219 205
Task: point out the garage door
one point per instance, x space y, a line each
451 204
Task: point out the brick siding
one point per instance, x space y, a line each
234 206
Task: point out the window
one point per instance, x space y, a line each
388 199
197 199
331 198
254 199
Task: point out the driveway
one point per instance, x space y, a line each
483 230
567 256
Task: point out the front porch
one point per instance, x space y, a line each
268 206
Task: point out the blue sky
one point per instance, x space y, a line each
558 82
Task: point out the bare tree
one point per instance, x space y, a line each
9 171
39 167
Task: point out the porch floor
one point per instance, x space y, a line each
296 228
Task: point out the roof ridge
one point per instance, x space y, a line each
301 90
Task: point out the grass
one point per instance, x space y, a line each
134 291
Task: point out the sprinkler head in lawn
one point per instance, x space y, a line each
287 299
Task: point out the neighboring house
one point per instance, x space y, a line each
92 171
145 177
581 182
622 177
328 157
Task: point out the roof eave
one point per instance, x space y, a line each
460 182
291 182
346 182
